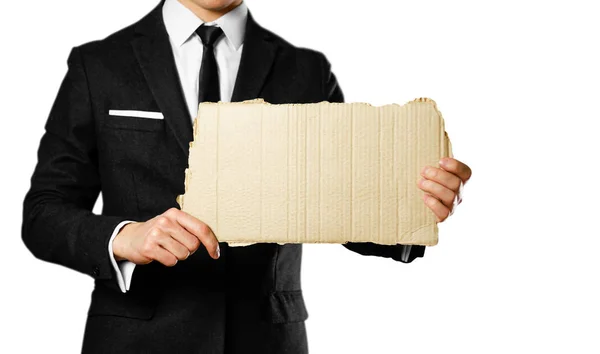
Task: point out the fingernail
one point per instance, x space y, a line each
218 251
422 182
431 172
424 170
442 162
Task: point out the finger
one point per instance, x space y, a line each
163 256
439 209
174 247
445 195
438 175
180 234
456 167
198 229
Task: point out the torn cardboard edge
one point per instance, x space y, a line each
304 173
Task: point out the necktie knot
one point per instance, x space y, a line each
209 34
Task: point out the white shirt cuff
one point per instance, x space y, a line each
124 269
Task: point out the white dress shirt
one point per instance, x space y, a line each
181 24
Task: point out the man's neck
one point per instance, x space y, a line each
208 15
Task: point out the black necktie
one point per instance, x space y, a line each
209 90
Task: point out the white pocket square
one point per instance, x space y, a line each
136 114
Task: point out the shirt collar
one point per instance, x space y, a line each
181 23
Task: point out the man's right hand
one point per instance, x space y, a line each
166 238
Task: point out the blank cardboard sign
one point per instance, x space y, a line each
314 173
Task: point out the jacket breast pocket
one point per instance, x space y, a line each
124 122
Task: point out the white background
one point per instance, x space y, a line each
517 266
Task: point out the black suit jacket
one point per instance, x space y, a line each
248 301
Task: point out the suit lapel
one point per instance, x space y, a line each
257 59
154 54
155 57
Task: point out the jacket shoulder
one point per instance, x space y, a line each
116 41
301 53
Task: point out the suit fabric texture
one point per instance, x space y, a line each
250 299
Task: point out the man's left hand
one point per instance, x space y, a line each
442 186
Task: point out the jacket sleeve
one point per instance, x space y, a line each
58 223
402 253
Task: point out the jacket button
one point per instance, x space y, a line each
96 271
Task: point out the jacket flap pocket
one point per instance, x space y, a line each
287 306
110 302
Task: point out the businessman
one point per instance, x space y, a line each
121 124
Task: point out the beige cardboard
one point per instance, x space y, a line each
314 173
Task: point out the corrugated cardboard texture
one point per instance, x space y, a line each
314 173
